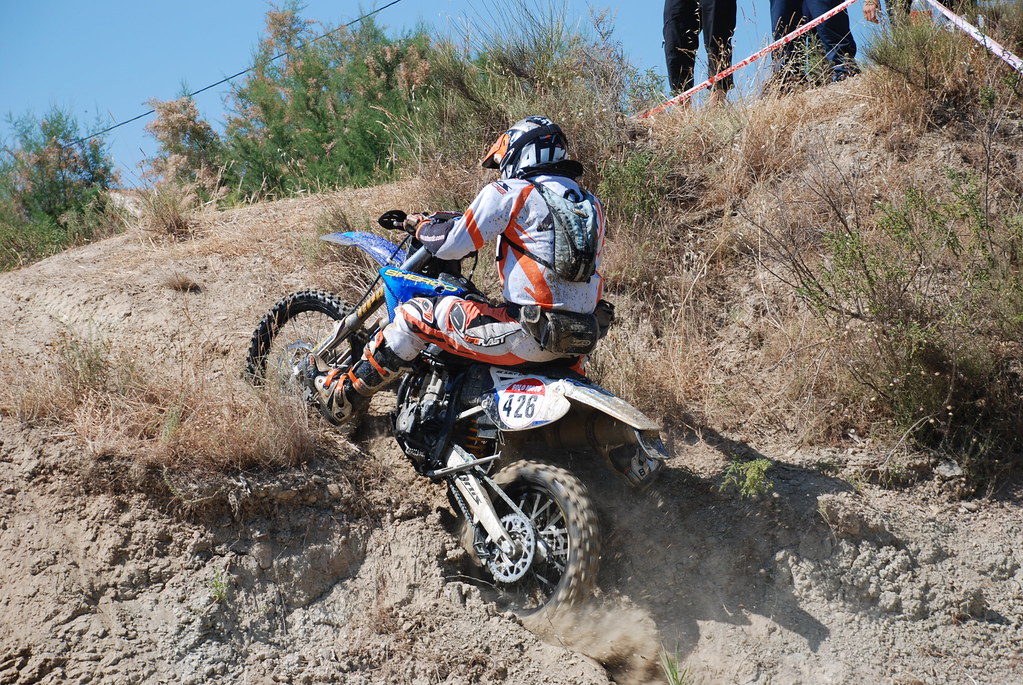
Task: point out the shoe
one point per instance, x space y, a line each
327 386
843 70
341 395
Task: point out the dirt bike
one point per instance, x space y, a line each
532 525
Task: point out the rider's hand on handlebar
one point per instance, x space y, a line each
414 221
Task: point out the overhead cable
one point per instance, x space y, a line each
229 78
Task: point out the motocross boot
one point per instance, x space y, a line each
342 395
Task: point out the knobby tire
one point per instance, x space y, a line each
580 576
280 314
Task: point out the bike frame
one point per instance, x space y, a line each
374 246
462 471
460 464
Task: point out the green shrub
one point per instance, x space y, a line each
748 477
633 191
936 289
219 587
53 189
525 59
633 186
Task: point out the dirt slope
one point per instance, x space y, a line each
344 569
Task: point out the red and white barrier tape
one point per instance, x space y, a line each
678 99
996 49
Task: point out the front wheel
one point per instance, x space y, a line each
289 332
561 528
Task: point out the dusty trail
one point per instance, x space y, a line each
344 569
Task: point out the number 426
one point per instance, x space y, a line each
519 406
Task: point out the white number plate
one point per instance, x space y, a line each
521 402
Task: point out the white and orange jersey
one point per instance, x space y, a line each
515 210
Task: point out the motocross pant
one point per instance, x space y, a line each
467 328
683 20
834 34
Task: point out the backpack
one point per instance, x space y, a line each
576 227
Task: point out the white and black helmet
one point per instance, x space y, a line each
529 145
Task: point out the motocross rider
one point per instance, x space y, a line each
532 151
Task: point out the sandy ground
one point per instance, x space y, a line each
345 568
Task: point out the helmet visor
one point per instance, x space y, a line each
497 151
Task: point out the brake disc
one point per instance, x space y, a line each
508 567
288 362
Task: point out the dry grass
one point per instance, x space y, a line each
183 283
931 77
710 213
728 151
173 414
658 365
750 192
450 189
168 209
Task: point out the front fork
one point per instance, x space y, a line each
347 326
480 507
481 512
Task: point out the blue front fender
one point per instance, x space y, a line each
381 249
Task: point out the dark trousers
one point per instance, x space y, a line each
835 35
683 20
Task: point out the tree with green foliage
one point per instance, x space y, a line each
191 152
312 113
50 180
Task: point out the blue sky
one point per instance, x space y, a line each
103 60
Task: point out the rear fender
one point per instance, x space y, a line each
520 401
604 401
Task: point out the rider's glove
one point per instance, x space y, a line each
414 221
432 230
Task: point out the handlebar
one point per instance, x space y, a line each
416 259
396 219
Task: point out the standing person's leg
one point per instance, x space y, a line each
785 17
839 45
681 40
718 19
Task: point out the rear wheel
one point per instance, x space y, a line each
289 332
557 543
